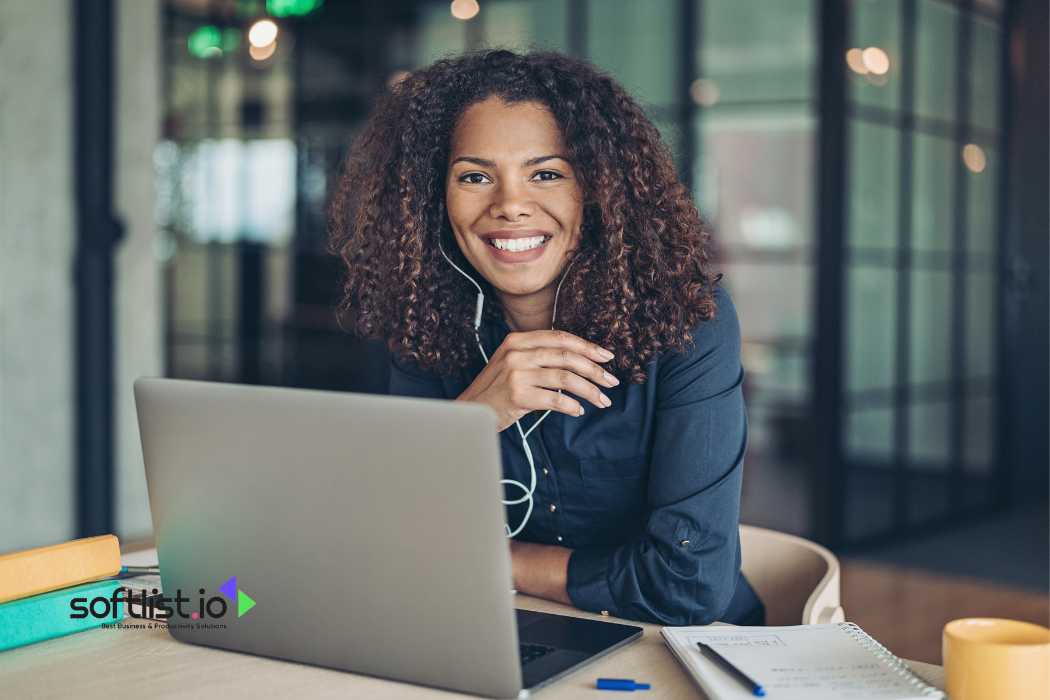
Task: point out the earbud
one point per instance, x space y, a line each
528 491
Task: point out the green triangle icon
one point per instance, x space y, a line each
244 603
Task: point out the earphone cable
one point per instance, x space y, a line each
528 491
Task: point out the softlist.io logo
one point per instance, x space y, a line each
141 603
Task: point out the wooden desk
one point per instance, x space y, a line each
148 663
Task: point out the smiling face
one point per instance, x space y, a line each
513 200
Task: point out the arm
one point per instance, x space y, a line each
540 570
682 570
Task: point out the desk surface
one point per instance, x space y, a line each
107 663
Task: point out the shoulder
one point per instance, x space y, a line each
719 334
712 361
724 327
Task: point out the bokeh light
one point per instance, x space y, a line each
875 60
261 53
465 9
974 158
704 92
855 61
262 33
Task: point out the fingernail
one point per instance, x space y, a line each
611 379
605 353
606 401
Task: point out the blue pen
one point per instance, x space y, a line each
754 686
619 684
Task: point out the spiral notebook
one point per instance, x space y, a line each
802 662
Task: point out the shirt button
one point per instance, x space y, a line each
605 612
559 538
684 543
546 471
553 507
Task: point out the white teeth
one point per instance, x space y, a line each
516 245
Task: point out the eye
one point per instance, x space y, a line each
542 176
473 178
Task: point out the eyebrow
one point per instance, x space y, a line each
485 163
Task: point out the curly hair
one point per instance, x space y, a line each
640 281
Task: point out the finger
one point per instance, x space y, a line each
560 339
538 399
569 381
571 360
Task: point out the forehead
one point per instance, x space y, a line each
494 129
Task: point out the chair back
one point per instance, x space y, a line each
797 580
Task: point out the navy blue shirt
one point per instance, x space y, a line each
645 492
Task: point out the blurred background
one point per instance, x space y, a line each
875 172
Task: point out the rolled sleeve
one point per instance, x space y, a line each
684 568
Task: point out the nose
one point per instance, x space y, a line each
511 201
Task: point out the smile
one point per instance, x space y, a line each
520 249
517 245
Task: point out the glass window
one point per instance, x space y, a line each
776 298
875 76
874 185
936 51
869 434
982 198
930 323
869 500
984 74
758 50
928 434
756 185
522 25
639 43
870 328
933 173
981 324
979 435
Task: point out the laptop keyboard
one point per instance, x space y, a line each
531 652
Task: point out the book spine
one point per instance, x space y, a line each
887 657
54 614
35 571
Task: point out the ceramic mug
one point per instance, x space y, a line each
994 659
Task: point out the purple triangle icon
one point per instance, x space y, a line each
229 589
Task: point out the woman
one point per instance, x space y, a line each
494 197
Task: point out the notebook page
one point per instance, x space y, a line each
811 662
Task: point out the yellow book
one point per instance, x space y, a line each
34 571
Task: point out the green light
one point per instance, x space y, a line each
205 41
292 8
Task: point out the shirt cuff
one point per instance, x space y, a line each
587 582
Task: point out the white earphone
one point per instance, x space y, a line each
528 491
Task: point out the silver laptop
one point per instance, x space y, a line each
351 531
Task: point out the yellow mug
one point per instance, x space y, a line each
989 658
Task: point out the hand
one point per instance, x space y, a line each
529 367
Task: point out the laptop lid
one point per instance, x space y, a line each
353 531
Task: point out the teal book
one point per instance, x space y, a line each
65 611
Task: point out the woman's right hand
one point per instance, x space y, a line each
528 368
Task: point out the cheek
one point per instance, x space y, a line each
462 208
569 210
